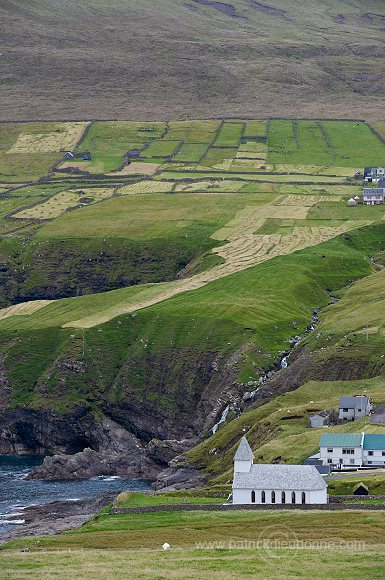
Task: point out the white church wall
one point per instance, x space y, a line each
243 496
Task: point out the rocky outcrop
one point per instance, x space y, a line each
180 478
4 384
55 517
116 452
90 463
164 451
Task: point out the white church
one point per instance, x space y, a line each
275 484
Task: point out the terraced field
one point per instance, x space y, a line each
279 186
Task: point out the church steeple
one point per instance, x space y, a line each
243 458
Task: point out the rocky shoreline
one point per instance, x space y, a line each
55 517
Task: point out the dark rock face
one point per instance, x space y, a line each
29 432
180 478
65 268
116 452
164 451
133 437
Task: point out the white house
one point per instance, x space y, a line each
374 196
275 484
354 408
352 450
341 449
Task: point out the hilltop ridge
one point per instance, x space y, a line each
158 60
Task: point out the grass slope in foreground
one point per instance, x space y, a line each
208 544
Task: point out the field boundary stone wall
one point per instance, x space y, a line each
333 506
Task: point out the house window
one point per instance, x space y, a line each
345 410
330 449
283 497
383 454
330 460
293 497
303 497
370 452
263 497
273 497
348 452
253 497
370 462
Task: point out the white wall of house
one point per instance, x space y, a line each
244 496
337 456
373 457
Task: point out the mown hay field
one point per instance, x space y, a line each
64 137
62 201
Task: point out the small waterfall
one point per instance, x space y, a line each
221 420
283 362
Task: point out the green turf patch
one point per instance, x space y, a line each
191 152
345 486
160 148
229 134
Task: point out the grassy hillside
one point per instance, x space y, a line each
153 293
170 360
272 58
101 230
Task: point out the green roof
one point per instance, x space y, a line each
374 442
341 439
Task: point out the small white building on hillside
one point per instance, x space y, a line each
275 484
319 420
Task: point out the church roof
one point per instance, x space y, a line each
287 477
244 451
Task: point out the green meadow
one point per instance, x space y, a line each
215 544
325 143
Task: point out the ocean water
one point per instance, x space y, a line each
16 492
